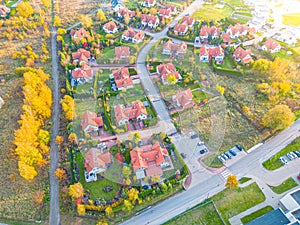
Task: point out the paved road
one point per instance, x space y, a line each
54 200
248 165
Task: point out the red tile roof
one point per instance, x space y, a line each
166 70
120 113
184 99
84 72
238 28
149 1
129 33
240 53
4 11
180 28
96 158
81 33
110 26
172 8
226 37
139 35
81 55
122 52
165 12
210 31
187 20
122 78
91 118
215 51
149 18
124 11
173 47
148 157
271 44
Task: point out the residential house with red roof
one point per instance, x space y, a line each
173 49
271 45
122 79
166 70
95 162
124 12
166 13
242 55
83 75
148 3
122 52
206 54
4 11
149 20
237 30
77 35
81 56
149 160
172 8
189 21
180 29
91 122
110 27
183 99
226 38
135 37
137 111
206 32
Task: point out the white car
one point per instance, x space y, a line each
283 160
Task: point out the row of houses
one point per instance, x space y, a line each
183 26
131 35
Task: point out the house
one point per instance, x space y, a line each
122 52
241 55
135 37
77 35
226 38
149 160
271 45
124 12
213 32
96 161
4 11
237 30
137 111
172 9
81 56
173 49
122 79
149 20
166 13
166 70
206 54
91 122
189 21
183 99
117 5
180 29
110 27
148 3
82 75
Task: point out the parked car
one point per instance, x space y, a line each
283 160
239 147
183 155
221 159
202 151
228 155
297 153
290 156
224 156
232 152
294 155
194 136
200 143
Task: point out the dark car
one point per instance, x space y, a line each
183 155
145 187
194 136
239 147
228 155
297 153
232 152
203 151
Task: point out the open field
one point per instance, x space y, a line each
274 162
201 214
291 19
286 185
256 214
211 13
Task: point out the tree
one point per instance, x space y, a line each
59 140
38 197
153 11
136 137
72 138
57 21
46 3
81 209
133 195
24 9
60 174
127 19
100 15
128 205
232 181
220 89
126 171
68 106
108 211
86 21
61 31
138 13
44 136
171 79
279 117
76 190
155 179
26 171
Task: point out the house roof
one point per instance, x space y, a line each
120 113
4 11
122 51
173 47
184 98
237 28
129 33
166 70
110 26
139 35
120 158
172 8
91 118
215 51
240 53
149 1
96 158
205 31
81 55
125 11
133 112
275 217
84 72
180 28
122 78
81 33
149 18
148 157
187 20
271 44
164 12
226 37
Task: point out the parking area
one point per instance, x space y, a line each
289 157
234 158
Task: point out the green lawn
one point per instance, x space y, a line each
201 214
228 63
244 180
285 186
212 161
232 202
95 188
256 214
292 19
274 162
211 13
199 96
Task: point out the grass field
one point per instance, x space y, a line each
231 202
244 180
291 19
212 161
274 162
201 214
211 13
285 186
256 214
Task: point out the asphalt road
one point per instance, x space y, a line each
54 200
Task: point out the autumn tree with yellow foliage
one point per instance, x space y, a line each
232 181
68 106
76 190
24 9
